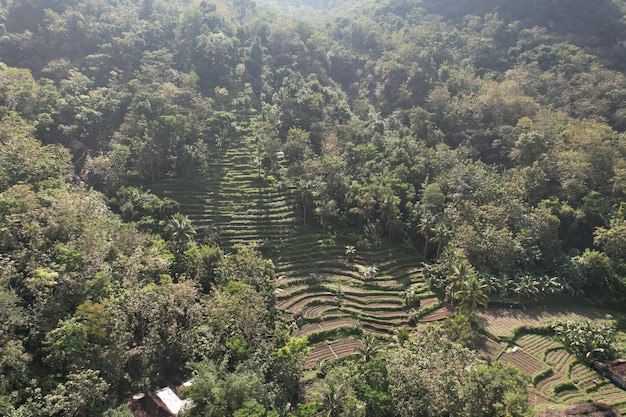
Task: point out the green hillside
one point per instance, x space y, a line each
352 209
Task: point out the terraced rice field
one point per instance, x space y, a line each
328 295
560 360
325 351
584 377
610 394
334 299
523 361
544 386
562 379
499 321
536 345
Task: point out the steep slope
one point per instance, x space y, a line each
327 296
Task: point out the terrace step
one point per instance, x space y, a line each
331 351
234 206
545 384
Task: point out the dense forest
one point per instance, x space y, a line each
483 139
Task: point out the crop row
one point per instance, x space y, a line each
583 376
326 325
572 396
609 393
536 345
318 310
544 385
559 360
439 314
323 351
523 361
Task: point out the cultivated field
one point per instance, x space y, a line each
333 300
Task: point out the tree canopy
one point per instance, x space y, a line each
487 137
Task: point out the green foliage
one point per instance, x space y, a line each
336 396
216 392
496 389
431 376
426 374
24 159
201 264
83 393
588 340
462 329
248 266
287 366
485 135
372 388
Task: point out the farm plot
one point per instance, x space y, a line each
536 345
571 396
325 325
584 377
298 304
609 393
319 311
330 351
439 314
235 204
500 321
544 385
489 349
561 365
535 399
523 361
560 360
295 302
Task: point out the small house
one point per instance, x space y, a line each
160 403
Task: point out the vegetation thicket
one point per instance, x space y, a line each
277 199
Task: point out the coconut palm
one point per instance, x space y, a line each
389 213
181 232
333 396
440 236
472 293
426 228
401 337
459 273
306 196
369 347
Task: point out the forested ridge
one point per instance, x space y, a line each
165 165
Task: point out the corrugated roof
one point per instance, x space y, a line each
171 400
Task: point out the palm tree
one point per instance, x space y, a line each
401 337
426 228
389 213
460 272
181 232
440 236
472 293
306 194
369 346
333 396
